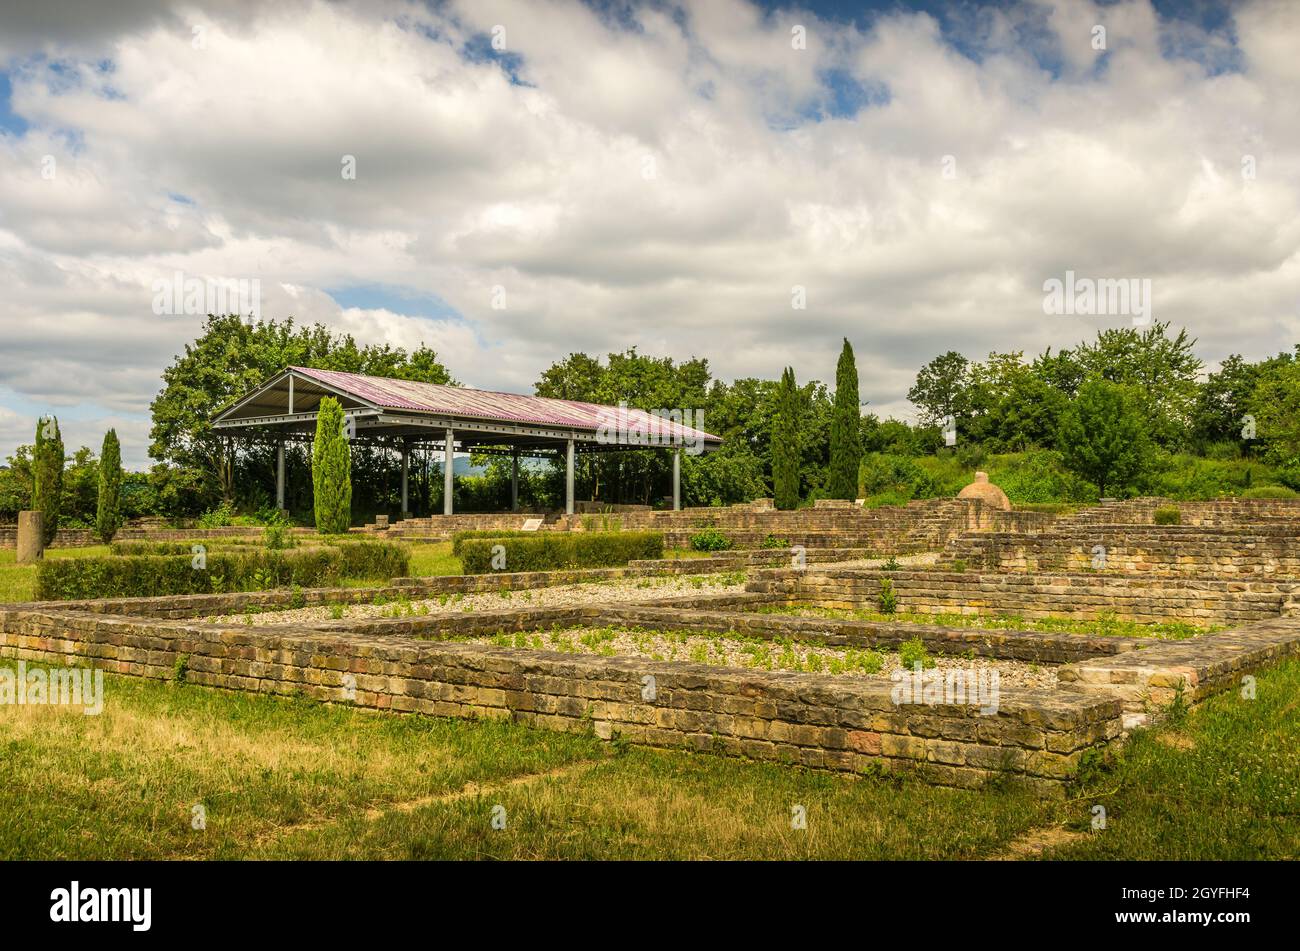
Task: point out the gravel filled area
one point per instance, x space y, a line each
757 653
605 592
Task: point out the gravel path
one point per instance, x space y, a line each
571 595
756 653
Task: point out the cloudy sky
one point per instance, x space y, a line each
534 178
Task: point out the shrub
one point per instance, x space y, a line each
219 517
277 536
887 600
557 550
131 576
374 560
891 564
774 541
460 537
913 652
710 539
1168 515
1270 492
108 505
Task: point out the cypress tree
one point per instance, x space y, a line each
47 475
108 514
846 438
331 470
785 443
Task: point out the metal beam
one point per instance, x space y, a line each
677 480
514 480
279 474
406 472
448 459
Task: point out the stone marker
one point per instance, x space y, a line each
30 537
532 524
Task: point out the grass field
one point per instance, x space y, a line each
283 778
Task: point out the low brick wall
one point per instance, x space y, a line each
1156 549
845 724
1145 681
1226 512
1134 597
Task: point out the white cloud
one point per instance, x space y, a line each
656 180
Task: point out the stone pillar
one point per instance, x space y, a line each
279 474
406 474
677 480
568 478
514 479
31 543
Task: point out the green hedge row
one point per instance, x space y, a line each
459 537
184 546
550 551
133 576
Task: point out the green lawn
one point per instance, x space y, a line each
295 779
434 558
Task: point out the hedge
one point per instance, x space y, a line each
132 576
459 537
557 550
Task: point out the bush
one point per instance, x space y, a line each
710 539
913 652
374 560
219 517
887 600
460 537
1168 515
1270 492
557 550
132 576
774 541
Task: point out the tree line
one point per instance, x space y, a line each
1103 411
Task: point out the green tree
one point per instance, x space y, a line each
846 436
331 470
941 387
785 443
108 504
642 382
1159 366
47 474
231 356
1103 436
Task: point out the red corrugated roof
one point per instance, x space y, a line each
486 404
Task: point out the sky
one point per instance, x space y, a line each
537 178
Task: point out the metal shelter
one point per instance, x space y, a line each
415 414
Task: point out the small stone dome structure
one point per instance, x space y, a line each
986 492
